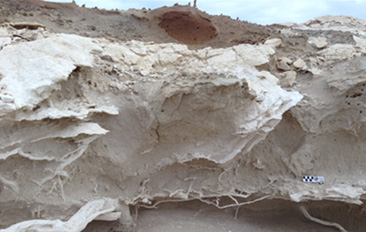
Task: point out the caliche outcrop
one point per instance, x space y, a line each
91 128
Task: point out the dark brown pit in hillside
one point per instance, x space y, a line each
188 28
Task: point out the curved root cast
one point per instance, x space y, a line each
322 222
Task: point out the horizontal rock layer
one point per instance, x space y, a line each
91 127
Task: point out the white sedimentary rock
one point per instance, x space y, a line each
166 104
289 78
110 125
273 42
340 52
318 42
284 64
89 212
299 63
336 23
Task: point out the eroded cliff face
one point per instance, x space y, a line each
101 129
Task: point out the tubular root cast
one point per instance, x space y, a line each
319 221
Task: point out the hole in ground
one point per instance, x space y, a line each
188 28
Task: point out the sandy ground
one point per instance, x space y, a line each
267 216
143 25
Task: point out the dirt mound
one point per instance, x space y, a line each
178 23
37 5
187 27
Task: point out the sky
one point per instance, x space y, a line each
255 11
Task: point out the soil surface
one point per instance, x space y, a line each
178 23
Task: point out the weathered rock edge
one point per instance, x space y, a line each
121 124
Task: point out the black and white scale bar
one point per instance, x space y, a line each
313 179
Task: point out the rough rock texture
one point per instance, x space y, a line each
153 135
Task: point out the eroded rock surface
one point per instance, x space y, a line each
95 129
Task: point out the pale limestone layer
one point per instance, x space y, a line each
336 23
92 127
